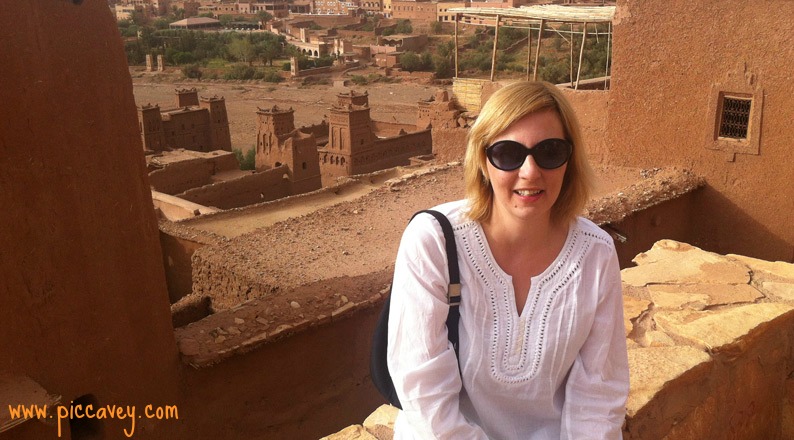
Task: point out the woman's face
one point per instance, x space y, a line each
529 192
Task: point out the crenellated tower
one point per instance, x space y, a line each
350 134
278 143
151 127
220 136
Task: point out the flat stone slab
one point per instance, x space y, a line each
653 368
672 262
700 296
385 415
713 329
781 291
776 268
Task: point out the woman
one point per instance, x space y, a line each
542 346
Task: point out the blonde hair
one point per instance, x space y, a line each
506 106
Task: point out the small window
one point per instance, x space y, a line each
735 117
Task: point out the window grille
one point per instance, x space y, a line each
735 117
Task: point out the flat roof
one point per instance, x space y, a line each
195 21
535 13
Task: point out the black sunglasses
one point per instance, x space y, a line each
548 154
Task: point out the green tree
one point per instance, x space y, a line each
241 49
403 27
270 48
139 18
160 23
225 20
264 17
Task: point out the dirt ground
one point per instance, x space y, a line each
396 102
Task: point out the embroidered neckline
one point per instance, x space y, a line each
526 334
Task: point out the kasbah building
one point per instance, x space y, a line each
104 305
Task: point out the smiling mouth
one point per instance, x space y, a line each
526 192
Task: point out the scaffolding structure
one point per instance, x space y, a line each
540 18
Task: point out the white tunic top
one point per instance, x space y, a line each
556 370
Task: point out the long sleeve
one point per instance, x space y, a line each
421 360
598 383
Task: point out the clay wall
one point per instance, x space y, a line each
177 254
304 163
223 161
438 113
317 130
404 42
247 190
328 21
671 219
591 109
187 98
151 128
443 7
449 144
174 209
181 176
85 309
310 389
381 49
348 34
389 59
218 132
671 60
389 129
188 129
417 12
314 71
392 152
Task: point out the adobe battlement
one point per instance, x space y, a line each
194 124
213 98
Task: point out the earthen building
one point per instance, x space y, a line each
195 124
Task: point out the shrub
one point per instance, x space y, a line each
412 62
192 71
241 71
403 27
247 160
359 80
271 76
180 58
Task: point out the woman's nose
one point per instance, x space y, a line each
529 169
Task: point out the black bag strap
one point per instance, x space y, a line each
379 370
453 290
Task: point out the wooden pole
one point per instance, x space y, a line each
570 70
581 53
609 40
456 44
537 51
495 41
529 49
